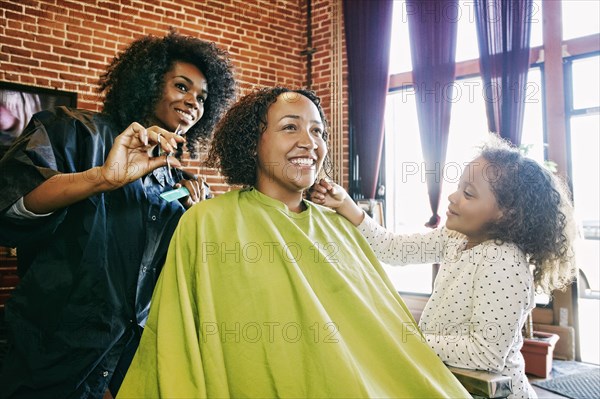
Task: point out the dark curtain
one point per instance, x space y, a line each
368 27
503 30
432 28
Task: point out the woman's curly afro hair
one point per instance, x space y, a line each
233 148
133 82
537 213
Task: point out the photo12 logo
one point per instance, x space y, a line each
272 332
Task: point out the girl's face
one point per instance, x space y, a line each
291 150
182 101
473 205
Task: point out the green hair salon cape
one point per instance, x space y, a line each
257 301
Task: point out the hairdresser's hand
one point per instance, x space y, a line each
197 192
131 157
334 196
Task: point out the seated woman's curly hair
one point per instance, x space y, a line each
537 213
233 148
133 82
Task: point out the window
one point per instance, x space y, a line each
466 35
533 138
400 58
468 130
406 193
585 177
407 207
583 105
467 47
586 83
407 199
584 135
535 17
580 18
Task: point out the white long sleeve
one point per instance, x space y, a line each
403 249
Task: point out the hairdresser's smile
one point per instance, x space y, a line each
186 115
184 94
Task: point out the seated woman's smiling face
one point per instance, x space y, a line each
291 150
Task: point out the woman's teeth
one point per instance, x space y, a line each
185 115
303 161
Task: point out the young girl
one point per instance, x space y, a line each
507 214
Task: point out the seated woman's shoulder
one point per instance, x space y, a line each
218 205
323 209
329 215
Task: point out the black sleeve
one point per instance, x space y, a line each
47 147
27 163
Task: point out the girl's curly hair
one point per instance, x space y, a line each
233 148
537 214
133 82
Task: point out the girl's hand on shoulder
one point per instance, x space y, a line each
328 194
335 197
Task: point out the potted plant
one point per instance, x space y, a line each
537 350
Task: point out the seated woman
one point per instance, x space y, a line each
265 294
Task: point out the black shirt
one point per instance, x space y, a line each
87 271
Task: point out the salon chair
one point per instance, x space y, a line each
483 384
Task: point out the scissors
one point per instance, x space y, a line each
181 192
179 132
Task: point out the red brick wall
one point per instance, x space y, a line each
66 44
323 23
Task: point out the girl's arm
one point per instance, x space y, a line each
391 248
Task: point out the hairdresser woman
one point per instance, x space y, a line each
80 200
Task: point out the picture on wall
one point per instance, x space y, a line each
19 102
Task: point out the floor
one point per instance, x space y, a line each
542 393
559 367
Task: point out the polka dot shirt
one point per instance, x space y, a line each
480 300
